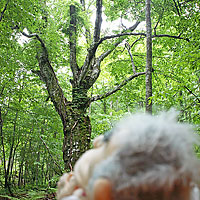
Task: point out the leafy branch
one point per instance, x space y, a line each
159 18
120 40
140 34
177 9
172 36
116 88
184 86
89 67
36 37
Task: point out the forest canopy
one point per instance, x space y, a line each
70 69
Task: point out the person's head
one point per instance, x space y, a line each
154 160
143 157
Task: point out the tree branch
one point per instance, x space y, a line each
186 1
136 41
177 8
87 31
105 54
190 91
48 76
118 87
128 47
92 51
3 11
97 28
171 36
160 16
184 86
119 35
94 46
83 3
72 42
2 89
133 43
179 5
141 34
36 37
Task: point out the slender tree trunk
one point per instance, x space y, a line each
8 171
148 58
12 162
22 155
3 148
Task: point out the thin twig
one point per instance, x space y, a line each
171 36
51 155
177 8
2 13
141 34
184 86
160 16
36 36
128 47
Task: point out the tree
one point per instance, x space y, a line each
86 49
76 124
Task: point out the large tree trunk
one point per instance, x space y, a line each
76 137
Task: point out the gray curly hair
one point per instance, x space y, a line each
155 152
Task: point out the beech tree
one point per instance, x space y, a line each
76 123
98 46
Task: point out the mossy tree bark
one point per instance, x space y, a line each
76 124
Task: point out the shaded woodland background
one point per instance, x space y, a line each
66 78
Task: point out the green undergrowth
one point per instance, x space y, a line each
31 194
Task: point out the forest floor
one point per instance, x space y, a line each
24 197
30 195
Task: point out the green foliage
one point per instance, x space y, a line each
31 194
32 130
175 64
128 9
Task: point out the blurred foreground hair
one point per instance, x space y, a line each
143 158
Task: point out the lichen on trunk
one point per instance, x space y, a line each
77 135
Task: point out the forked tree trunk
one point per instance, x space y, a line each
76 123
